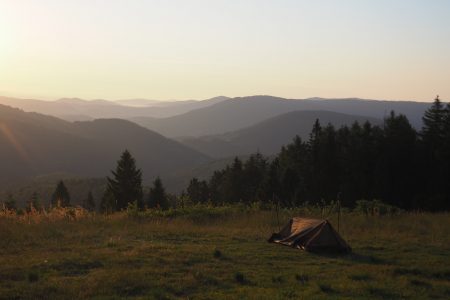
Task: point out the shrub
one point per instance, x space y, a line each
375 208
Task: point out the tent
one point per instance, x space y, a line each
313 235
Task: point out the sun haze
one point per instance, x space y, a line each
198 49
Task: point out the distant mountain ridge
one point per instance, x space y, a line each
32 144
241 112
270 135
75 109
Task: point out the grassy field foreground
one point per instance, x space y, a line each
221 255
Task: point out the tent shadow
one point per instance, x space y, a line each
351 257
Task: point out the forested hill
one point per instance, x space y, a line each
393 163
34 144
268 136
238 113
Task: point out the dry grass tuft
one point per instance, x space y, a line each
34 216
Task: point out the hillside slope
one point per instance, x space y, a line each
238 113
269 136
32 144
74 109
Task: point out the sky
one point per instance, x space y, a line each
197 49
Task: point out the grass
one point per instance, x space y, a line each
184 256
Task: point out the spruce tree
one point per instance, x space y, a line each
157 197
235 181
33 202
271 185
89 203
198 191
126 184
108 202
61 196
315 133
253 178
398 161
433 123
446 156
433 142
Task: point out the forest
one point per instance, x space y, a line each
393 163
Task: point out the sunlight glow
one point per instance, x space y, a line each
198 49
9 135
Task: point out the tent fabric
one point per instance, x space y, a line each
313 235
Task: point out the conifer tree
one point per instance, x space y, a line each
315 133
398 160
271 187
89 203
108 202
61 196
198 191
433 123
157 197
126 184
216 187
33 202
254 174
446 135
236 181
434 132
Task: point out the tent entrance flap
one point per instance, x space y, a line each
313 235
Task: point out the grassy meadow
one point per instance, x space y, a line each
220 253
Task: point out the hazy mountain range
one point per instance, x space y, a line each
270 135
181 139
74 109
237 113
34 144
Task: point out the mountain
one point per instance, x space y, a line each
270 135
238 113
140 102
32 144
176 106
75 109
373 108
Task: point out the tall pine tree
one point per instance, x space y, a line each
157 197
433 129
34 202
108 202
198 191
89 203
433 143
126 184
61 196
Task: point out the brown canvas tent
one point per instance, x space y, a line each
313 235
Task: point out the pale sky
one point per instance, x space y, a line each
180 49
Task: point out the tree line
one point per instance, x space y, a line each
124 188
393 163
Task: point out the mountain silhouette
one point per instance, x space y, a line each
33 144
75 109
270 135
238 113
